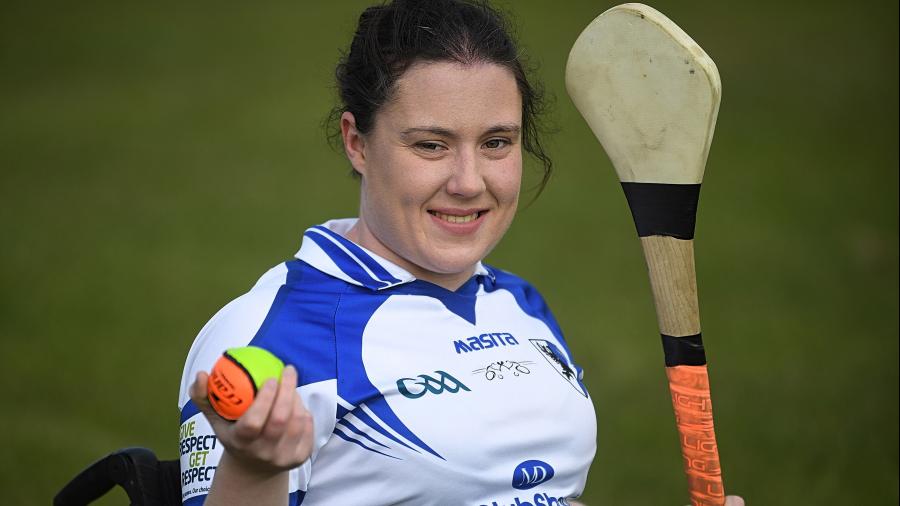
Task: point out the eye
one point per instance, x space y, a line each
496 143
429 146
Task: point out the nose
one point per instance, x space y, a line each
466 180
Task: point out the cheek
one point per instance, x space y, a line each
413 192
412 183
386 178
508 182
401 183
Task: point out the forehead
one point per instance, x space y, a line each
454 95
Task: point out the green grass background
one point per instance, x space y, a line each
157 157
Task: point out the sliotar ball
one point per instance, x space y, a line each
237 376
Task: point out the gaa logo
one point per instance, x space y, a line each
530 474
422 384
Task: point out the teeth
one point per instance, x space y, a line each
456 219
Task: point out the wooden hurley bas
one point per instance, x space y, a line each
651 96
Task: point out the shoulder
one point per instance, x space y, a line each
527 297
526 294
507 279
289 301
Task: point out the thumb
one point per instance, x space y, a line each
199 393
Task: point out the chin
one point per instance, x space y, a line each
453 264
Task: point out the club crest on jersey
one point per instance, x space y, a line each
531 473
559 361
413 388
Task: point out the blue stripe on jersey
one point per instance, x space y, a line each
353 383
298 328
380 272
337 432
345 261
358 432
380 407
273 314
295 272
365 418
190 409
461 302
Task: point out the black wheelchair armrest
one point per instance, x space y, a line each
147 480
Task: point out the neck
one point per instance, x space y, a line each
361 235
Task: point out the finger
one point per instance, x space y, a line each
284 404
199 391
250 424
290 436
731 500
200 396
300 422
198 388
302 432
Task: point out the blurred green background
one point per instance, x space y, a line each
157 157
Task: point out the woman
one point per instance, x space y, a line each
417 374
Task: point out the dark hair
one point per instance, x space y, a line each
391 37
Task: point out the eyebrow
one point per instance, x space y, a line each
510 128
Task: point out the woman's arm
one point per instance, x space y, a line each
731 500
274 436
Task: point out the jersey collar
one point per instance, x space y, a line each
325 248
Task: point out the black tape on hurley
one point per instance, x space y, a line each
663 209
685 350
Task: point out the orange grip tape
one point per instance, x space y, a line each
689 385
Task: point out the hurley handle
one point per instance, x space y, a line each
670 262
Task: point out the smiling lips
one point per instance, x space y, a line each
453 218
458 219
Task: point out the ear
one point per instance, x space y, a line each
354 142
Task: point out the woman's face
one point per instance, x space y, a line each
441 169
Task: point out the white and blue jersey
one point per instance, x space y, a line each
419 395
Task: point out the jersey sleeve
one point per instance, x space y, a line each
268 316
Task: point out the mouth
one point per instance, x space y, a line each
458 218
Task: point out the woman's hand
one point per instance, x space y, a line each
275 434
734 500
731 500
